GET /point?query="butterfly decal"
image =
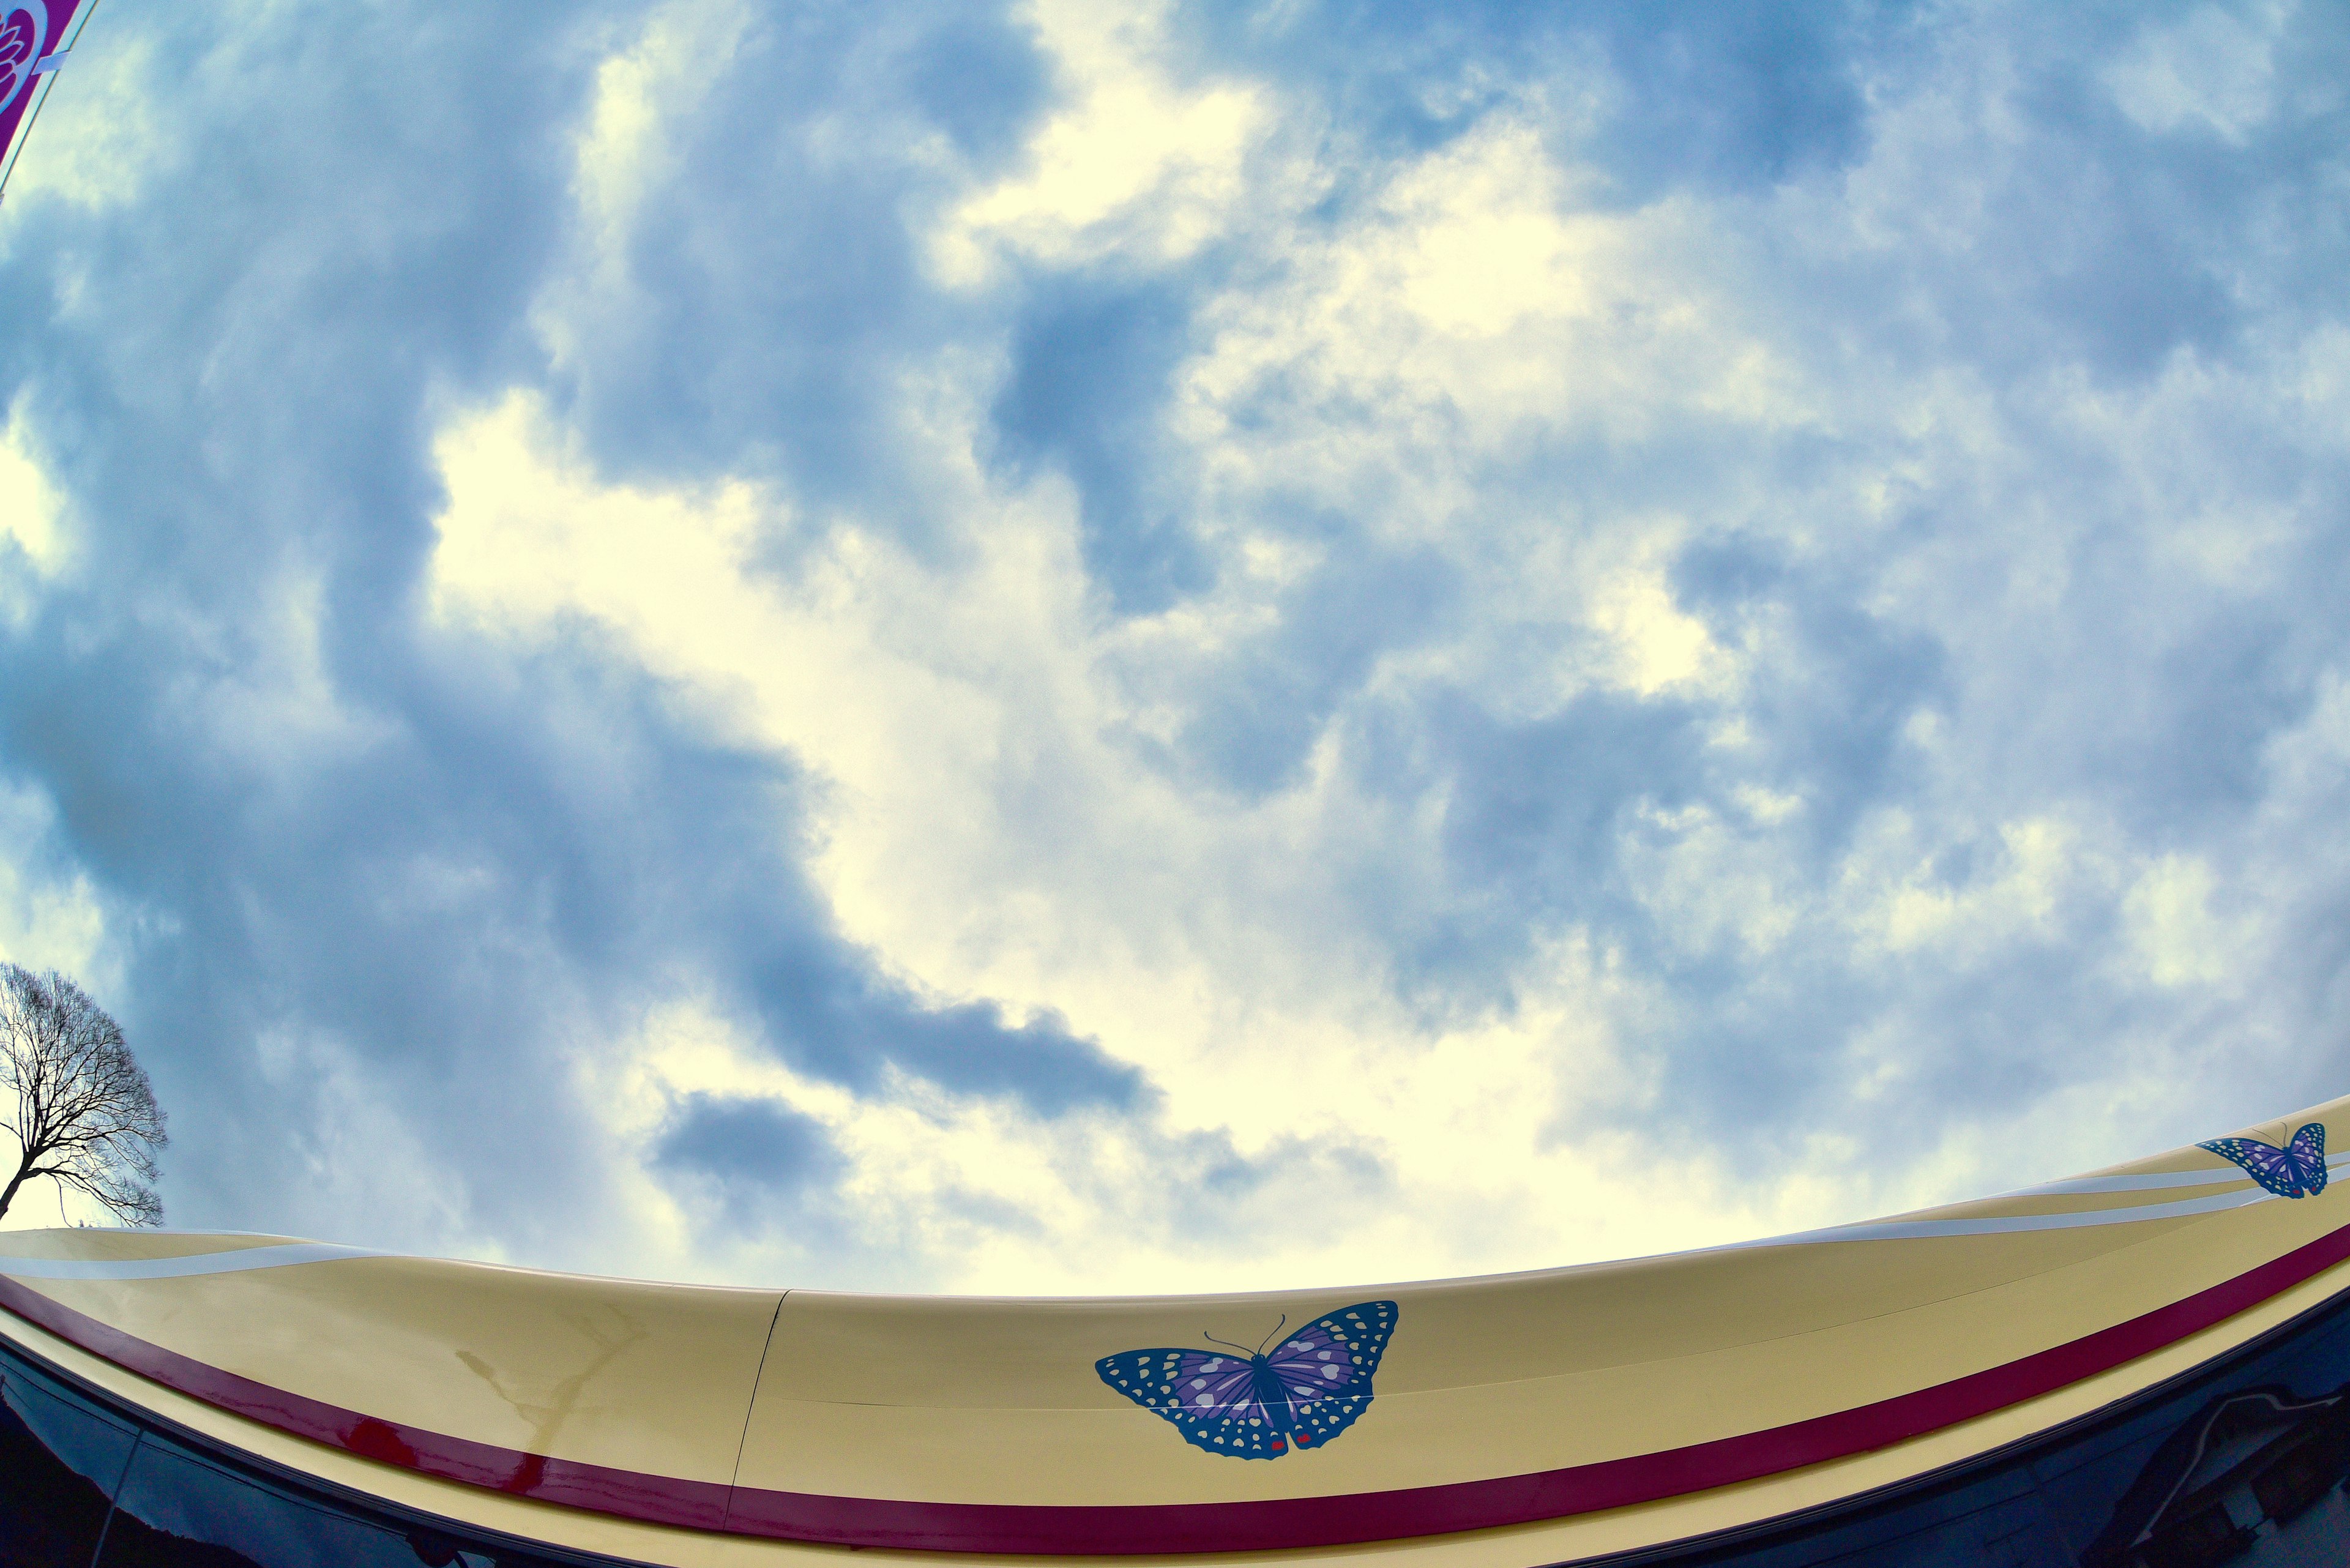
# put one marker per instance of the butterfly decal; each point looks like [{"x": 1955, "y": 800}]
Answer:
[
  {"x": 23, "y": 29},
  {"x": 1261, "y": 1404},
  {"x": 2296, "y": 1171}
]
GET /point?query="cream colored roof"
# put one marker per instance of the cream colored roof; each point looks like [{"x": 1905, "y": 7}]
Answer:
[{"x": 1615, "y": 1404}]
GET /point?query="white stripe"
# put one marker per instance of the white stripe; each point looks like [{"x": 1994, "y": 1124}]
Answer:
[
  {"x": 233, "y": 1263},
  {"x": 2006, "y": 1224},
  {"x": 287, "y": 1254},
  {"x": 2228, "y": 1173}
]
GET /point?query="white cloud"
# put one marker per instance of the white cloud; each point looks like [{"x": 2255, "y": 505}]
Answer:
[
  {"x": 31, "y": 509},
  {"x": 97, "y": 141},
  {"x": 1945, "y": 633},
  {"x": 992, "y": 827},
  {"x": 1657, "y": 647},
  {"x": 2038, "y": 862},
  {"x": 359, "y": 1163},
  {"x": 1137, "y": 163},
  {"x": 2214, "y": 70},
  {"x": 625, "y": 152},
  {"x": 2177, "y": 937},
  {"x": 47, "y": 920},
  {"x": 986, "y": 832},
  {"x": 1480, "y": 303}
]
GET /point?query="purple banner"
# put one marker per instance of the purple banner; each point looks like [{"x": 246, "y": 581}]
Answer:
[{"x": 34, "y": 35}]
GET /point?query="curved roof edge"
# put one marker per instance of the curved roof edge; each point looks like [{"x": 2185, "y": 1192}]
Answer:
[{"x": 1666, "y": 1396}]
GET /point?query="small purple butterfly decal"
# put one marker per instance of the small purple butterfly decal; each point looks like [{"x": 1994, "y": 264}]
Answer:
[
  {"x": 1259, "y": 1403},
  {"x": 2296, "y": 1171}
]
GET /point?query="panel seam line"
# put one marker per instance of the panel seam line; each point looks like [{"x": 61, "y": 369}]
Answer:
[{"x": 726, "y": 1518}]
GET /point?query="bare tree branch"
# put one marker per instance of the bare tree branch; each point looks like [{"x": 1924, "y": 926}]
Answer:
[{"x": 85, "y": 1115}]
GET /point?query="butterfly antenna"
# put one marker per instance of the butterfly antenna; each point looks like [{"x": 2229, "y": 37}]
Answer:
[
  {"x": 1227, "y": 1344},
  {"x": 1274, "y": 1334}
]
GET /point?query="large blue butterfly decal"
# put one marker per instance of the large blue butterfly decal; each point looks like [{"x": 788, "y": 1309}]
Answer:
[
  {"x": 2296, "y": 1171},
  {"x": 1261, "y": 1404}
]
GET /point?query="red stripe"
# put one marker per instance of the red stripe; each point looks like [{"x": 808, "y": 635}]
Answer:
[
  {"x": 661, "y": 1500},
  {"x": 1281, "y": 1523}
]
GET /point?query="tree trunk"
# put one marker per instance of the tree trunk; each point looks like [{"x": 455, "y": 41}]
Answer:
[{"x": 14, "y": 1182}]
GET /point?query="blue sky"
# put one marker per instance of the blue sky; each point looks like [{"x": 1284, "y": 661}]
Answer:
[{"x": 1180, "y": 647}]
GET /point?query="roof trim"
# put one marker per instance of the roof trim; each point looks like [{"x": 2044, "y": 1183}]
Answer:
[{"x": 1118, "y": 1529}]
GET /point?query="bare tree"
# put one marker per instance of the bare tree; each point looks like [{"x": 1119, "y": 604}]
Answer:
[{"x": 84, "y": 1112}]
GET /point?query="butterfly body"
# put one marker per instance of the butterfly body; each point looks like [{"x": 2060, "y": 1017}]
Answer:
[
  {"x": 1297, "y": 1394},
  {"x": 2296, "y": 1170}
]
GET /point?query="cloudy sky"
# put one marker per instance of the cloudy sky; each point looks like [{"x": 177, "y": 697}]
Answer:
[{"x": 1192, "y": 646}]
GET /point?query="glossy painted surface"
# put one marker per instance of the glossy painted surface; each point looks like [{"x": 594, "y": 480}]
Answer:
[
  {"x": 2252, "y": 1451},
  {"x": 61, "y": 1459},
  {"x": 1598, "y": 1408},
  {"x": 2139, "y": 1490}
]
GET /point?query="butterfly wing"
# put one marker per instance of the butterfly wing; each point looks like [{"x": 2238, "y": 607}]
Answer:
[
  {"x": 2307, "y": 1154},
  {"x": 2273, "y": 1168},
  {"x": 22, "y": 28},
  {"x": 1211, "y": 1399},
  {"x": 1219, "y": 1404},
  {"x": 1325, "y": 1368}
]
